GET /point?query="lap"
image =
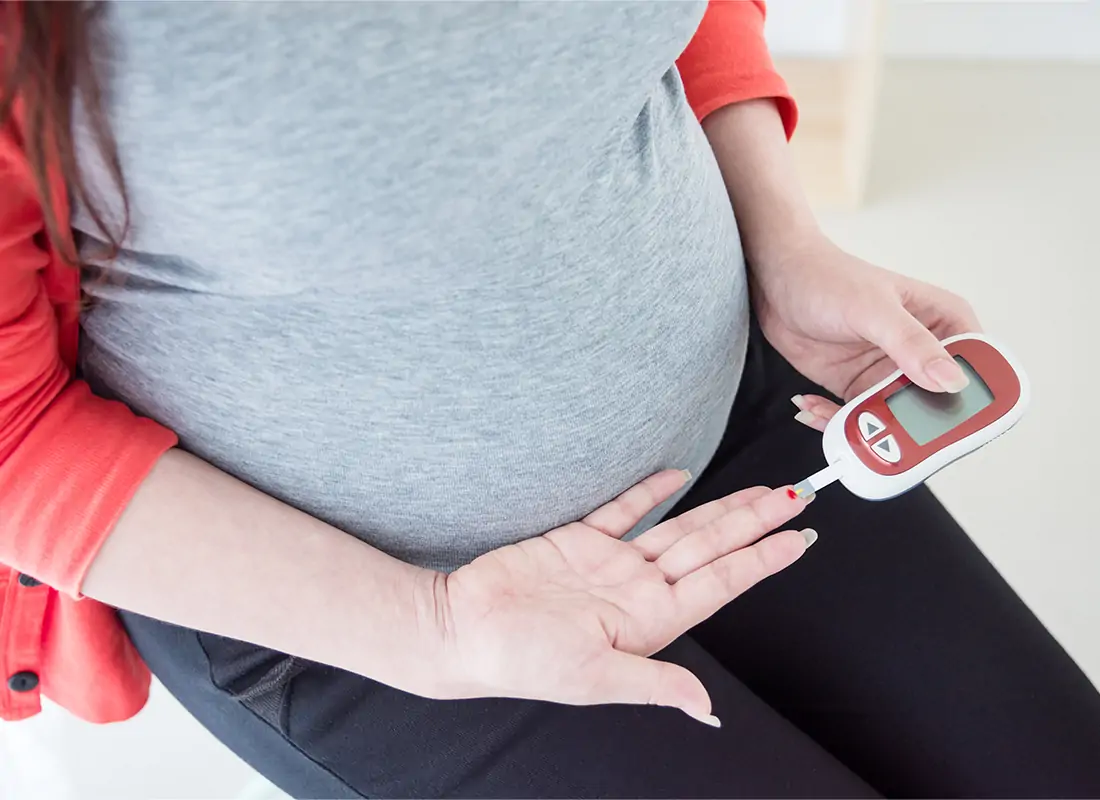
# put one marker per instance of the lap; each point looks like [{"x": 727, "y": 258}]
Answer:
[
  {"x": 894, "y": 642},
  {"x": 319, "y": 731}
]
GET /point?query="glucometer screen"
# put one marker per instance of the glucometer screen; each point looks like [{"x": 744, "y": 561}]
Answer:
[{"x": 926, "y": 415}]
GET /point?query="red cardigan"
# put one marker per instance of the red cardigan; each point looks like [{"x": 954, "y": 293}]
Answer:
[{"x": 71, "y": 461}]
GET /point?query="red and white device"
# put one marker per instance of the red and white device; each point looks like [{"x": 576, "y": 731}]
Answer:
[{"x": 896, "y": 435}]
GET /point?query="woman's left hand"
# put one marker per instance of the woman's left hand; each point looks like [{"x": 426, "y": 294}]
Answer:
[
  {"x": 845, "y": 323},
  {"x": 842, "y": 322}
]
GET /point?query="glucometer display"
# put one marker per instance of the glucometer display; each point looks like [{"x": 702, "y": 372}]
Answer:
[{"x": 926, "y": 415}]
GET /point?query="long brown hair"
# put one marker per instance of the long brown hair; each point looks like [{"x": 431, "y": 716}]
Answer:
[{"x": 46, "y": 63}]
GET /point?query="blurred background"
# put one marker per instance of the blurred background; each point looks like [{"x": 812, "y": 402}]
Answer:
[{"x": 958, "y": 142}]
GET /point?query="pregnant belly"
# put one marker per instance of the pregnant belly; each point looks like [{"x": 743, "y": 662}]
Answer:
[
  {"x": 433, "y": 441},
  {"x": 442, "y": 408}
]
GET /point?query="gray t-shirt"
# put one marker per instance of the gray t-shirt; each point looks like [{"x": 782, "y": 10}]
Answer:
[{"x": 444, "y": 275}]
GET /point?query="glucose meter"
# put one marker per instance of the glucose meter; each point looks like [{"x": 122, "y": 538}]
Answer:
[{"x": 896, "y": 435}]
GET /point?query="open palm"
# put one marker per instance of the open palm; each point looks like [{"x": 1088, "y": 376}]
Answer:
[{"x": 571, "y": 615}]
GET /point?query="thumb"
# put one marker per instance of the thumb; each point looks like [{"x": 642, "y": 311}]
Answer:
[
  {"x": 914, "y": 349},
  {"x": 633, "y": 679}
]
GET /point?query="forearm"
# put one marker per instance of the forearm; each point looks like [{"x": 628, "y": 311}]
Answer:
[
  {"x": 752, "y": 151},
  {"x": 199, "y": 548}
]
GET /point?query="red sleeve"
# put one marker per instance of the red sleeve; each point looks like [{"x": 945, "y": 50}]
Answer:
[
  {"x": 727, "y": 61},
  {"x": 69, "y": 461}
]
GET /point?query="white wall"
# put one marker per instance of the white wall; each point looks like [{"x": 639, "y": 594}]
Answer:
[
  {"x": 1041, "y": 30},
  {"x": 807, "y": 27}
]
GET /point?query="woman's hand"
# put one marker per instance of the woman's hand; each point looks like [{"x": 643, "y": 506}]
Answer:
[
  {"x": 842, "y": 322},
  {"x": 572, "y": 615},
  {"x": 845, "y": 324}
]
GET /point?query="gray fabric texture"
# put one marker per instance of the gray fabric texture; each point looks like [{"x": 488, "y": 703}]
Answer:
[{"x": 444, "y": 275}]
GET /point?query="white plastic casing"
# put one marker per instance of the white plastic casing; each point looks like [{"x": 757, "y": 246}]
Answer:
[{"x": 865, "y": 483}]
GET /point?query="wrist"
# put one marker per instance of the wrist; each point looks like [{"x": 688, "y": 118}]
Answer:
[
  {"x": 798, "y": 249},
  {"x": 457, "y": 667},
  {"x": 449, "y": 674},
  {"x": 794, "y": 243},
  {"x": 426, "y": 666}
]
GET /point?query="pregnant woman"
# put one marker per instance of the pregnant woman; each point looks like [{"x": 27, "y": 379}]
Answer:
[{"x": 406, "y": 327}]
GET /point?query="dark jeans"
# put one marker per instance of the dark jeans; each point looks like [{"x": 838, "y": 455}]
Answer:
[{"x": 892, "y": 659}]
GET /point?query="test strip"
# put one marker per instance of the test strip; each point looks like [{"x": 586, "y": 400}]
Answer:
[{"x": 818, "y": 481}]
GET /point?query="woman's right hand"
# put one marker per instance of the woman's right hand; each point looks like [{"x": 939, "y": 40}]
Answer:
[{"x": 572, "y": 616}]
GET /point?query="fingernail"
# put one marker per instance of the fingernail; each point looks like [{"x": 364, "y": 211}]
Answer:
[
  {"x": 687, "y": 475},
  {"x": 810, "y": 535},
  {"x": 799, "y": 402},
  {"x": 948, "y": 374},
  {"x": 706, "y": 719},
  {"x": 805, "y": 417}
]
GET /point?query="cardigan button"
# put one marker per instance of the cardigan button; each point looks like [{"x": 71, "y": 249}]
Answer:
[
  {"x": 28, "y": 581},
  {"x": 23, "y": 681}
]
